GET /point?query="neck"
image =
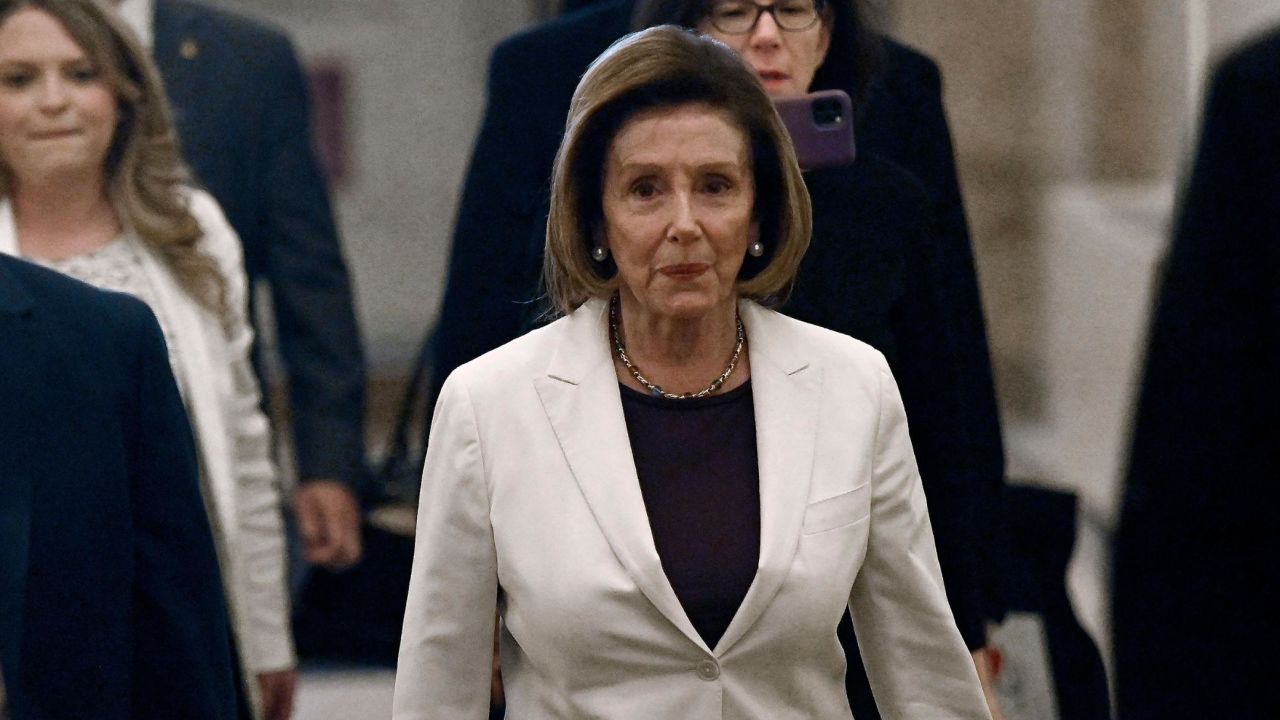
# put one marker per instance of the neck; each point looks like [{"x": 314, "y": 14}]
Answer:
[
  {"x": 58, "y": 219},
  {"x": 682, "y": 355}
]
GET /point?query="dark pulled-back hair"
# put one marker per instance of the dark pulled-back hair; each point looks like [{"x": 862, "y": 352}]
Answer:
[
  {"x": 853, "y": 62},
  {"x": 669, "y": 67}
]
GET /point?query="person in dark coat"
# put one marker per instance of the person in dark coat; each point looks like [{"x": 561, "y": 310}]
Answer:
[
  {"x": 111, "y": 603},
  {"x": 492, "y": 288},
  {"x": 1195, "y": 580},
  {"x": 242, "y": 113}
]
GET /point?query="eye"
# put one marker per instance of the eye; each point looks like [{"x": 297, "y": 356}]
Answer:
[
  {"x": 717, "y": 185},
  {"x": 83, "y": 74},
  {"x": 795, "y": 8},
  {"x": 16, "y": 79},
  {"x": 730, "y": 10},
  {"x": 644, "y": 188}
]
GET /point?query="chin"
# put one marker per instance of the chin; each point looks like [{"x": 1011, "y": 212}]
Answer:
[{"x": 688, "y": 306}]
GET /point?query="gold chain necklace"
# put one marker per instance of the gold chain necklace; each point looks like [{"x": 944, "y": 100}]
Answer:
[{"x": 657, "y": 390}]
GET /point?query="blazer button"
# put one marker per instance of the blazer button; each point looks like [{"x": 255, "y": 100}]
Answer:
[{"x": 708, "y": 670}]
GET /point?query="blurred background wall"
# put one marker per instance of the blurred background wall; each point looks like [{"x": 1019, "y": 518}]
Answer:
[
  {"x": 1073, "y": 121},
  {"x": 413, "y": 78}
]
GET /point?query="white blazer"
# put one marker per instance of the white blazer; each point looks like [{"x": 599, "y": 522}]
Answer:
[
  {"x": 232, "y": 436},
  {"x": 530, "y": 499}
]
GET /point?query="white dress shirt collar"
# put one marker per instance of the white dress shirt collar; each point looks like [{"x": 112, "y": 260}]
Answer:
[{"x": 139, "y": 15}]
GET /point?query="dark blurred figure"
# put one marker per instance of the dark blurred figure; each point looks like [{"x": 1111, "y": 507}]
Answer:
[
  {"x": 1195, "y": 597},
  {"x": 240, "y": 105},
  {"x": 111, "y": 604}
]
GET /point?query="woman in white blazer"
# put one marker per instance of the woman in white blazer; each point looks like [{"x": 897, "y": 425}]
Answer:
[
  {"x": 90, "y": 185},
  {"x": 671, "y": 494}
]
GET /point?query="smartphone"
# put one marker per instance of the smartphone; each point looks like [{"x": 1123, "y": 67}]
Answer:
[{"x": 821, "y": 127}]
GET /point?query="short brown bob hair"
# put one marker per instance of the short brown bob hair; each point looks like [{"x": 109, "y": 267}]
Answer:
[{"x": 668, "y": 66}]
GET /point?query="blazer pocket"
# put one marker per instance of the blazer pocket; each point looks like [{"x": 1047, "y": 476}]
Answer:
[{"x": 838, "y": 511}]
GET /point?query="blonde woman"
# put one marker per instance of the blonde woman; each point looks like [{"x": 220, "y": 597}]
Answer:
[{"x": 91, "y": 184}]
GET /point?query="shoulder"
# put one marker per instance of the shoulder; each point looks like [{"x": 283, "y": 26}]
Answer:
[
  {"x": 227, "y": 25},
  {"x": 498, "y": 372},
  {"x": 1258, "y": 56},
  {"x": 871, "y": 179},
  {"x": 66, "y": 306},
  {"x": 910, "y": 66},
  {"x": 220, "y": 240},
  {"x": 204, "y": 208},
  {"x": 1252, "y": 67},
  {"x": 571, "y": 41},
  {"x": 793, "y": 343}
]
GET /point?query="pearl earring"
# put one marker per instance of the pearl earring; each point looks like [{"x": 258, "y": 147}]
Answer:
[
  {"x": 756, "y": 249},
  {"x": 599, "y": 253}
]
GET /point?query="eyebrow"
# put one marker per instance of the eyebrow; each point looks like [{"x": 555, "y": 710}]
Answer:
[{"x": 720, "y": 166}]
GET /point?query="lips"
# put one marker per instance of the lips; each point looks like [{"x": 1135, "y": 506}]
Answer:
[
  {"x": 773, "y": 75},
  {"x": 55, "y": 134},
  {"x": 684, "y": 271}
]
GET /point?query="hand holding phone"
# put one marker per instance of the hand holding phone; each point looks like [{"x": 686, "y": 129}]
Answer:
[{"x": 821, "y": 127}]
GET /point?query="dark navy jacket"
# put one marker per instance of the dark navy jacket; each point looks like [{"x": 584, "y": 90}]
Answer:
[
  {"x": 111, "y": 603},
  {"x": 241, "y": 109}
]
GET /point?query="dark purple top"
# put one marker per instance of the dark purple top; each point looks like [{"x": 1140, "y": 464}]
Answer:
[{"x": 696, "y": 460}]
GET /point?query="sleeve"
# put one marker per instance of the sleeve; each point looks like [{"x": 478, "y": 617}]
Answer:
[
  {"x": 310, "y": 286},
  {"x": 915, "y": 659},
  {"x": 446, "y": 649},
  {"x": 926, "y": 366},
  {"x": 261, "y": 555},
  {"x": 496, "y": 258},
  {"x": 933, "y": 161},
  {"x": 182, "y": 652}
]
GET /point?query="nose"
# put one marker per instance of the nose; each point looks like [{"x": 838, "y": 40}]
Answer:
[
  {"x": 766, "y": 32},
  {"x": 684, "y": 225},
  {"x": 53, "y": 94}
]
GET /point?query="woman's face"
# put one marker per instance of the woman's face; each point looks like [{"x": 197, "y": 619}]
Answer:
[
  {"x": 57, "y": 114},
  {"x": 785, "y": 60},
  {"x": 678, "y": 208}
]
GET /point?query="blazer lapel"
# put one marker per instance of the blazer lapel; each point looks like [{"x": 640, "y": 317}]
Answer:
[
  {"x": 199, "y": 381},
  {"x": 8, "y": 233},
  {"x": 580, "y": 396},
  {"x": 786, "y": 390}
]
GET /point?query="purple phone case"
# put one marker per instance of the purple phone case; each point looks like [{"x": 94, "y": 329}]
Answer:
[{"x": 819, "y": 145}]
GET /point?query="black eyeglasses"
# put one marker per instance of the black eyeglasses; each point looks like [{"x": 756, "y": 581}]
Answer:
[{"x": 739, "y": 17}]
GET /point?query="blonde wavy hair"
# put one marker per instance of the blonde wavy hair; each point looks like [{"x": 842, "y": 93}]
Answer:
[
  {"x": 144, "y": 169},
  {"x": 662, "y": 67}
]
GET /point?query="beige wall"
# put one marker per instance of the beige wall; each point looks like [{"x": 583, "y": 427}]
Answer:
[
  {"x": 1073, "y": 121},
  {"x": 416, "y": 77}
]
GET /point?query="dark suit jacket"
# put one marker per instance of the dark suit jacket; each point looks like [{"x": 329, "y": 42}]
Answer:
[
  {"x": 241, "y": 109},
  {"x": 498, "y": 240},
  {"x": 111, "y": 604},
  {"x": 1196, "y": 585}
]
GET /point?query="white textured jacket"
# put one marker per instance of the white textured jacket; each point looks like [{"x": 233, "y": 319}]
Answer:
[
  {"x": 530, "y": 500},
  {"x": 232, "y": 435}
]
